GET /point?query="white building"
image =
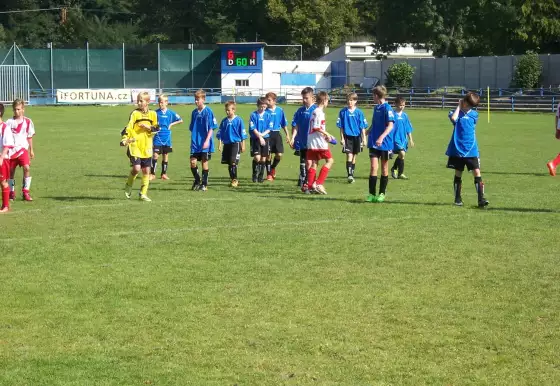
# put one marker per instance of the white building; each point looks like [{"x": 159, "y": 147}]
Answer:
[{"x": 367, "y": 51}]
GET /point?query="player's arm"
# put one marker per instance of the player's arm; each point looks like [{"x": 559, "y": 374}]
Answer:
[
  {"x": 388, "y": 129},
  {"x": 410, "y": 140},
  {"x": 243, "y": 146},
  {"x": 294, "y": 134},
  {"x": 128, "y": 136},
  {"x": 178, "y": 121},
  {"x": 455, "y": 114},
  {"x": 266, "y": 132}
]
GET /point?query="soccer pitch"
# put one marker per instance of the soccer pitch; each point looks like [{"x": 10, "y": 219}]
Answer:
[{"x": 264, "y": 285}]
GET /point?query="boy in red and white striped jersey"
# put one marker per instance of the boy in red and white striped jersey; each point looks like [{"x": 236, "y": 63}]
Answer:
[
  {"x": 6, "y": 144},
  {"x": 22, "y": 152}
]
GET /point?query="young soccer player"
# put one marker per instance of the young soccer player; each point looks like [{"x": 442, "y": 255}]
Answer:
[
  {"x": 260, "y": 126},
  {"x": 552, "y": 165},
  {"x": 202, "y": 126},
  {"x": 275, "y": 141},
  {"x": 232, "y": 136},
  {"x": 141, "y": 128},
  {"x": 318, "y": 146},
  {"x": 162, "y": 140},
  {"x": 402, "y": 137},
  {"x": 352, "y": 124},
  {"x": 23, "y": 131},
  {"x": 380, "y": 143},
  {"x": 300, "y": 130},
  {"x": 463, "y": 147},
  {"x": 6, "y": 143}
]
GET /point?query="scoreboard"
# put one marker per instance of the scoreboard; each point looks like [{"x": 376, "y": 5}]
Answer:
[{"x": 242, "y": 57}]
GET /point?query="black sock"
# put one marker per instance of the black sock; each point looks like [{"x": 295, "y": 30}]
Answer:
[
  {"x": 154, "y": 166},
  {"x": 164, "y": 167},
  {"x": 230, "y": 171},
  {"x": 302, "y": 173},
  {"x": 205, "y": 177},
  {"x": 195, "y": 174},
  {"x": 372, "y": 184},
  {"x": 353, "y": 169},
  {"x": 349, "y": 168},
  {"x": 479, "y": 185},
  {"x": 457, "y": 183},
  {"x": 383, "y": 185},
  {"x": 262, "y": 168},
  {"x": 268, "y": 167},
  {"x": 255, "y": 171},
  {"x": 401, "y": 166},
  {"x": 396, "y": 164},
  {"x": 234, "y": 171},
  {"x": 275, "y": 162}
]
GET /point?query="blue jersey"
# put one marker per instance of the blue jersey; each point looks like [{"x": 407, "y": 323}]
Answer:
[
  {"x": 463, "y": 141},
  {"x": 382, "y": 115},
  {"x": 301, "y": 119},
  {"x": 202, "y": 122},
  {"x": 351, "y": 122},
  {"x": 401, "y": 130},
  {"x": 278, "y": 118},
  {"x": 260, "y": 122},
  {"x": 232, "y": 130},
  {"x": 165, "y": 119}
]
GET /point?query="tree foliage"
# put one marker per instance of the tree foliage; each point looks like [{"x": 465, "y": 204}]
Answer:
[
  {"x": 400, "y": 75},
  {"x": 528, "y": 71}
]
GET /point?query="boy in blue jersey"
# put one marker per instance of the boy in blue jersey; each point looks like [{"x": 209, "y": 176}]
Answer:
[
  {"x": 380, "y": 143},
  {"x": 275, "y": 141},
  {"x": 202, "y": 129},
  {"x": 352, "y": 124},
  {"x": 463, "y": 147},
  {"x": 232, "y": 136},
  {"x": 260, "y": 126},
  {"x": 300, "y": 131},
  {"x": 402, "y": 138},
  {"x": 162, "y": 140}
]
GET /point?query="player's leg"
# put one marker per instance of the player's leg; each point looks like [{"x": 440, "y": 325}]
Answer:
[
  {"x": 265, "y": 153},
  {"x": 155, "y": 158},
  {"x": 324, "y": 171},
  {"x": 401, "y": 157},
  {"x": 12, "y": 180},
  {"x": 165, "y": 163},
  {"x": 134, "y": 170},
  {"x": 349, "y": 163},
  {"x": 275, "y": 162},
  {"x": 374, "y": 165},
  {"x": 384, "y": 177},
  {"x": 195, "y": 172},
  {"x": 479, "y": 185},
  {"x": 457, "y": 186},
  {"x": 26, "y": 183},
  {"x": 205, "y": 171},
  {"x": 303, "y": 167},
  {"x": 552, "y": 165},
  {"x": 145, "y": 165},
  {"x": 311, "y": 171},
  {"x": 4, "y": 175}
]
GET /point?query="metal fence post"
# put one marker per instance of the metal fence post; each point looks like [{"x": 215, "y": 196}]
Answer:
[
  {"x": 87, "y": 63},
  {"x": 123, "y": 71},
  {"x": 512, "y": 104},
  {"x": 192, "y": 65},
  {"x": 52, "y": 68},
  {"x": 159, "y": 68}
]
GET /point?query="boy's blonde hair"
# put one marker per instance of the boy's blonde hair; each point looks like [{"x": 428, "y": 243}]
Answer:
[
  {"x": 472, "y": 99},
  {"x": 141, "y": 96},
  {"x": 200, "y": 94},
  {"x": 321, "y": 97},
  {"x": 271, "y": 95},
  {"x": 162, "y": 97},
  {"x": 229, "y": 104},
  {"x": 380, "y": 91},
  {"x": 18, "y": 102},
  {"x": 352, "y": 97}
]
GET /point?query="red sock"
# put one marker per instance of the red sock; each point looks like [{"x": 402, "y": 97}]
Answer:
[
  {"x": 311, "y": 173},
  {"x": 5, "y": 197},
  {"x": 323, "y": 175},
  {"x": 556, "y": 161}
]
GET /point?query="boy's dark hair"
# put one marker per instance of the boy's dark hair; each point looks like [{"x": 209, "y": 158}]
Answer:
[
  {"x": 399, "y": 100},
  {"x": 262, "y": 101},
  {"x": 321, "y": 97},
  {"x": 271, "y": 95},
  {"x": 472, "y": 99},
  {"x": 380, "y": 91},
  {"x": 230, "y": 103},
  {"x": 1, "y": 110},
  {"x": 352, "y": 97},
  {"x": 307, "y": 90}
]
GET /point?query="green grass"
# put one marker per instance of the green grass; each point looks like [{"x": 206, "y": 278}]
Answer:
[{"x": 264, "y": 285}]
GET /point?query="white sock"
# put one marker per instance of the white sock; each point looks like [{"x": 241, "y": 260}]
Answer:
[
  {"x": 26, "y": 183},
  {"x": 12, "y": 184}
]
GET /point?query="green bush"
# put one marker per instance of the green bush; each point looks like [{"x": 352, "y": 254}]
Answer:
[
  {"x": 528, "y": 71},
  {"x": 400, "y": 75}
]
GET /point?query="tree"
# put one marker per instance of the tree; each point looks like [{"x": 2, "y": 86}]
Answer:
[
  {"x": 400, "y": 75},
  {"x": 528, "y": 71}
]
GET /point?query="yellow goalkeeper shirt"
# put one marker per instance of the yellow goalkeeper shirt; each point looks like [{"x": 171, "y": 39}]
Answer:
[{"x": 141, "y": 147}]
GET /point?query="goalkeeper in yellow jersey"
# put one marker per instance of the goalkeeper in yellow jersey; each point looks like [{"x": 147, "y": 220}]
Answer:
[{"x": 142, "y": 126}]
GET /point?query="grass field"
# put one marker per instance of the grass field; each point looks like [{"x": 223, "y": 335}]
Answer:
[{"x": 263, "y": 285}]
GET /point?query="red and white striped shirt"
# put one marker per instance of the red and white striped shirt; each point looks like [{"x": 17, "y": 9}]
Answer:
[
  {"x": 21, "y": 131},
  {"x": 6, "y": 137}
]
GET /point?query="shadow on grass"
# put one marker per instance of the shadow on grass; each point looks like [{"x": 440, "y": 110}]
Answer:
[
  {"x": 517, "y": 174},
  {"x": 80, "y": 198},
  {"x": 524, "y": 210},
  {"x": 107, "y": 175}
]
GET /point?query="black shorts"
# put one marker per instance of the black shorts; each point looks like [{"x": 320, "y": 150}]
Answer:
[
  {"x": 258, "y": 149},
  {"x": 301, "y": 153},
  {"x": 275, "y": 143},
  {"x": 376, "y": 153},
  {"x": 459, "y": 163},
  {"x": 231, "y": 153},
  {"x": 352, "y": 144},
  {"x": 163, "y": 149},
  {"x": 143, "y": 162},
  {"x": 202, "y": 156}
]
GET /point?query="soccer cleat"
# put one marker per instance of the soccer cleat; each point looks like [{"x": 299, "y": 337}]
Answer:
[
  {"x": 381, "y": 197},
  {"x": 483, "y": 203},
  {"x": 551, "y": 168},
  {"x": 394, "y": 174},
  {"x": 403, "y": 177},
  {"x": 273, "y": 173},
  {"x": 26, "y": 196},
  {"x": 234, "y": 183},
  {"x": 195, "y": 186},
  {"x": 298, "y": 184},
  {"x": 145, "y": 198},
  {"x": 152, "y": 177},
  {"x": 127, "y": 191},
  {"x": 164, "y": 177},
  {"x": 203, "y": 188},
  {"x": 320, "y": 189},
  {"x": 351, "y": 179},
  {"x": 371, "y": 198},
  {"x": 269, "y": 177},
  {"x": 254, "y": 178},
  {"x": 12, "y": 195},
  {"x": 4, "y": 209},
  {"x": 304, "y": 188},
  {"x": 458, "y": 202}
]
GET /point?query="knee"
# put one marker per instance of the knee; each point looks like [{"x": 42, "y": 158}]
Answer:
[
  {"x": 193, "y": 163},
  {"x": 156, "y": 156}
]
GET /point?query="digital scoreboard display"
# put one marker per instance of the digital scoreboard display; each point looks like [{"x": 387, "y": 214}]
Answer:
[{"x": 241, "y": 59}]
